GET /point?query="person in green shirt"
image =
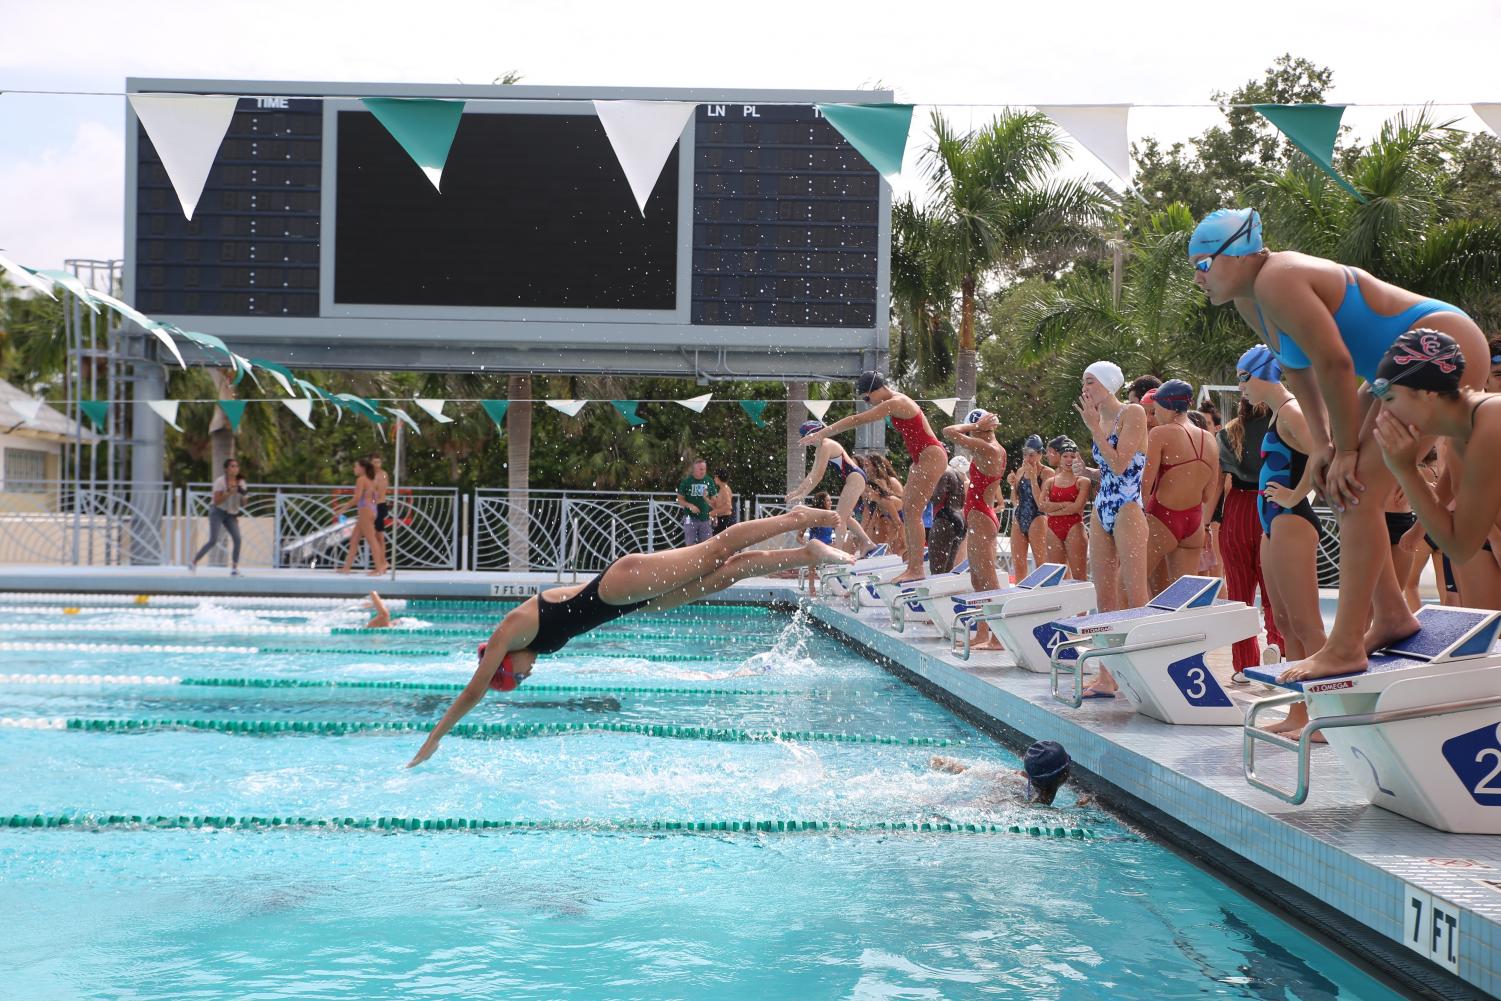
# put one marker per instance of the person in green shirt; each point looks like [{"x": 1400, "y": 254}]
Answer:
[{"x": 693, "y": 496}]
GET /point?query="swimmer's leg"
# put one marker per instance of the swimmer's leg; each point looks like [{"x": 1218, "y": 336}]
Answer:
[{"x": 751, "y": 564}]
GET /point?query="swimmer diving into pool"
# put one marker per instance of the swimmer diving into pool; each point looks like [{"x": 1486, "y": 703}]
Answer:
[{"x": 653, "y": 581}]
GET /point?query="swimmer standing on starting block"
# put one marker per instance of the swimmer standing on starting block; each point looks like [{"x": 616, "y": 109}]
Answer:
[{"x": 654, "y": 581}]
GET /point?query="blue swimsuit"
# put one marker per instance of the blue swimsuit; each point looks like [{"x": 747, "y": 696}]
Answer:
[
  {"x": 1366, "y": 333},
  {"x": 1026, "y": 505},
  {"x": 1284, "y": 465},
  {"x": 1117, "y": 489}
]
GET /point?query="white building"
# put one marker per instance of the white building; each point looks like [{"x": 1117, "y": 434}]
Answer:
[{"x": 31, "y": 450}]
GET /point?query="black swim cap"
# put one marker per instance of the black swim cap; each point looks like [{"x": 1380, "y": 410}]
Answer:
[
  {"x": 1175, "y": 395},
  {"x": 869, "y": 381},
  {"x": 1421, "y": 359}
]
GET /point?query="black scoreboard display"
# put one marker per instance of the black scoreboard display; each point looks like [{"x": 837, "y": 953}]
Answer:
[
  {"x": 315, "y": 227},
  {"x": 251, "y": 248}
]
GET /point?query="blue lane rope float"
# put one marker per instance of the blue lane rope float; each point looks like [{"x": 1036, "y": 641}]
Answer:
[
  {"x": 135, "y": 822},
  {"x": 478, "y": 731},
  {"x": 126, "y": 680}
]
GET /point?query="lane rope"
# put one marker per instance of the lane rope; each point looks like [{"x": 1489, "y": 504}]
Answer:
[
  {"x": 136, "y": 822},
  {"x": 477, "y": 731},
  {"x": 126, "y": 680}
]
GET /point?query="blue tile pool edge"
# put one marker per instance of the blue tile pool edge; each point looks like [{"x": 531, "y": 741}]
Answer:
[{"x": 1203, "y": 824}]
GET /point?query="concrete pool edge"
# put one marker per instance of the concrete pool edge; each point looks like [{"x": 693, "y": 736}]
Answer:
[{"x": 1368, "y": 895}]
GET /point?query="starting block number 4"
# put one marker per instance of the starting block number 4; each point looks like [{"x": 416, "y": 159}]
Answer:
[
  {"x": 1430, "y": 927},
  {"x": 1049, "y": 636}
]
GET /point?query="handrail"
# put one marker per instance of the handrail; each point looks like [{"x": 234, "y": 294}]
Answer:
[
  {"x": 1077, "y": 666},
  {"x": 977, "y": 615},
  {"x": 1251, "y": 734}
]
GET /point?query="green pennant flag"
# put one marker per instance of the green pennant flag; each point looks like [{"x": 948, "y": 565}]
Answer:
[
  {"x": 755, "y": 408},
  {"x": 497, "y": 411},
  {"x": 234, "y": 410},
  {"x": 1312, "y": 128},
  {"x": 627, "y": 410},
  {"x": 878, "y": 131},
  {"x": 283, "y": 374},
  {"x": 425, "y": 129},
  {"x": 359, "y": 405},
  {"x": 97, "y": 411}
]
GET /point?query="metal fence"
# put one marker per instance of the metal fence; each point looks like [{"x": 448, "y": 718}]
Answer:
[
  {"x": 430, "y": 528},
  {"x": 54, "y": 522}
]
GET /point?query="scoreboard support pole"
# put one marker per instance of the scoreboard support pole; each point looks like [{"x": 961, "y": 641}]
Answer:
[{"x": 148, "y": 447}]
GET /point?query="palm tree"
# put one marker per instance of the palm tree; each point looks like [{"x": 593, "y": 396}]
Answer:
[
  {"x": 1409, "y": 231},
  {"x": 994, "y": 202},
  {"x": 921, "y": 296},
  {"x": 1162, "y": 324}
]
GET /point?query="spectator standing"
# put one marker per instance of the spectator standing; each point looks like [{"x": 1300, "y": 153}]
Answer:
[{"x": 696, "y": 494}]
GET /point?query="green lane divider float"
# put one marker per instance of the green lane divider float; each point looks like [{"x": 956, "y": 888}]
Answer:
[
  {"x": 481, "y": 633},
  {"x": 381, "y": 651},
  {"x": 122, "y": 821},
  {"x": 438, "y": 686},
  {"x": 488, "y": 731},
  {"x": 500, "y": 604}
]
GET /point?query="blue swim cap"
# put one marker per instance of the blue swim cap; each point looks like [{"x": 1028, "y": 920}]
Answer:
[
  {"x": 1033, "y": 443},
  {"x": 808, "y": 427},
  {"x": 1260, "y": 363},
  {"x": 1175, "y": 395},
  {"x": 1212, "y": 232}
]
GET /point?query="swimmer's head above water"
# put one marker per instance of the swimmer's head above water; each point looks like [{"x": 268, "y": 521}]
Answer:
[{"x": 1047, "y": 765}]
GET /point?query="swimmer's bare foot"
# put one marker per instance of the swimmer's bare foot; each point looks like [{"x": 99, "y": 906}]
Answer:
[
  {"x": 1293, "y": 725},
  {"x": 909, "y": 576},
  {"x": 815, "y": 516},
  {"x": 1383, "y": 633},
  {"x": 821, "y": 552},
  {"x": 990, "y": 643},
  {"x": 342, "y": 570},
  {"x": 1327, "y": 663}
]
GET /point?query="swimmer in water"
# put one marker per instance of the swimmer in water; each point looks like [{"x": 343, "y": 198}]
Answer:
[
  {"x": 1045, "y": 767},
  {"x": 655, "y": 581},
  {"x": 382, "y": 619}
]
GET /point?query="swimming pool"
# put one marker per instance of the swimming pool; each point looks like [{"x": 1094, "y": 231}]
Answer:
[{"x": 698, "y": 804}]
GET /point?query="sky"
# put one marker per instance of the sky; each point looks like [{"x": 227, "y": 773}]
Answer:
[{"x": 62, "y": 158}]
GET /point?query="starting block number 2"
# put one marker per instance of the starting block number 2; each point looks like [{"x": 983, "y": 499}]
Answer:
[{"x": 1430, "y": 927}]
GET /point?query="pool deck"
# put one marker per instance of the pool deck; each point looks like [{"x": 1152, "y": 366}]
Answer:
[{"x": 1357, "y": 860}]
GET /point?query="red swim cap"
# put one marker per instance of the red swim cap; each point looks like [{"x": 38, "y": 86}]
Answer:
[{"x": 505, "y": 679}]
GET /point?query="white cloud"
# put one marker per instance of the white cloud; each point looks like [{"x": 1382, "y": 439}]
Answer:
[{"x": 65, "y": 202}]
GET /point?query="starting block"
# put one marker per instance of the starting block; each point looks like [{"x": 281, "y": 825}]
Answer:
[
  {"x": 900, "y": 598},
  {"x": 1160, "y": 647},
  {"x": 837, "y": 578},
  {"x": 1419, "y": 729},
  {"x": 1021, "y": 616}
]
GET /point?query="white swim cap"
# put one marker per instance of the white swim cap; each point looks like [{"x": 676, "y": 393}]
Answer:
[
  {"x": 1107, "y": 374},
  {"x": 960, "y": 465}
]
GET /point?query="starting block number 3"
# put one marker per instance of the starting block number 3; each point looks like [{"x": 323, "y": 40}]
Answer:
[{"x": 1430, "y": 927}]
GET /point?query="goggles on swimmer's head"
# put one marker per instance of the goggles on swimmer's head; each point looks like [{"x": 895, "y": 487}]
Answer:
[
  {"x": 1420, "y": 359},
  {"x": 1246, "y": 230}
]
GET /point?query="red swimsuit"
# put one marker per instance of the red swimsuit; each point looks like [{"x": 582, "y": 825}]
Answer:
[
  {"x": 916, "y": 435},
  {"x": 1181, "y": 523},
  {"x": 1061, "y": 524},
  {"x": 974, "y": 497}
]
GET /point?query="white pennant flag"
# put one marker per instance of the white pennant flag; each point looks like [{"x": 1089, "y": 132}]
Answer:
[
  {"x": 434, "y": 409},
  {"x": 405, "y": 418},
  {"x": 73, "y": 284},
  {"x": 818, "y": 407},
  {"x": 947, "y": 404},
  {"x": 27, "y": 277},
  {"x": 1490, "y": 114},
  {"x": 187, "y": 130},
  {"x": 1099, "y": 128},
  {"x": 642, "y": 134},
  {"x": 569, "y": 407},
  {"x": 28, "y": 409},
  {"x": 303, "y": 408},
  {"x": 696, "y": 403},
  {"x": 140, "y": 319},
  {"x": 166, "y": 410}
]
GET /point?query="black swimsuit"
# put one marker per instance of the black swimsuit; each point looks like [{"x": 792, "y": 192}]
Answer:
[{"x": 560, "y": 621}]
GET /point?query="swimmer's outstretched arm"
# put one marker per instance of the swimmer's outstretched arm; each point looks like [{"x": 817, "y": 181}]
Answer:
[{"x": 509, "y": 630}]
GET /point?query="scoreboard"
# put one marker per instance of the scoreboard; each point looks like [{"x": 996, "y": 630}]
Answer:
[{"x": 763, "y": 251}]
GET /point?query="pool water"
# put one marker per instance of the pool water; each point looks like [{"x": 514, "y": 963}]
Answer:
[{"x": 594, "y": 903}]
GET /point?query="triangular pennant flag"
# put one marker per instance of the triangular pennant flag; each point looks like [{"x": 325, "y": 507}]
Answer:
[
  {"x": 166, "y": 410},
  {"x": 627, "y": 410},
  {"x": 405, "y": 418},
  {"x": 818, "y": 408},
  {"x": 643, "y": 133},
  {"x": 96, "y": 411},
  {"x": 234, "y": 410},
  {"x": 878, "y": 131},
  {"x": 187, "y": 130},
  {"x": 569, "y": 407},
  {"x": 497, "y": 411},
  {"x": 424, "y": 127},
  {"x": 310, "y": 390},
  {"x": 71, "y": 282},
  {"x": 696, "y": 403},
  {"x": 28, "y": 409},
  {"x": 434, "y": 410},
  {"x": 162, "y": 331},
  {"x": 1490, "y": 114},
  {"x": 202, "y": 340},
  {"x": 755, "y": 408},
  {"x": 302, "y": 408},
  {"x": 1099, "y": 128},
  {"x": 947, "y": 404},
  {"x": 359, "y": 405},
  {"x": 242, "y": 369},
  {"x": 1312, "y": 128},
  {"x": 281, "y": 373},
  {"x": 27, "y": 277}
]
